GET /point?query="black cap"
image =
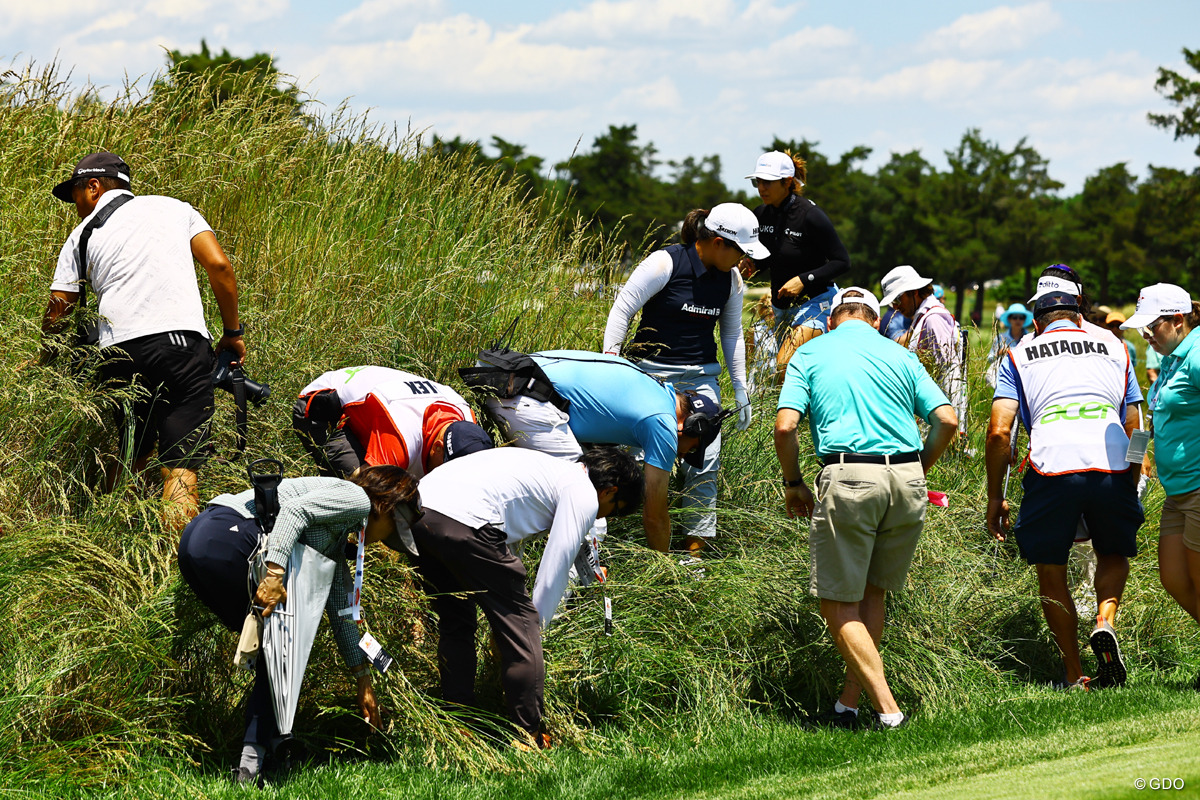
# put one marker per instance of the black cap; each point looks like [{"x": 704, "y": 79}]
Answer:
[
  {"x": 463, "y": 438},
  {"x": 93, "y": 165},
  {"x": 1055, "y": 301},
  {"x": 699, "y": 404}
]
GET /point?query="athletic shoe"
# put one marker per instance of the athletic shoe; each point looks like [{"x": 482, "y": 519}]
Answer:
[
  {"x": 1110, "y": 669},
  {"x": 1084, "y": 684},
  {"x": 846, "y": 720},
  {"x": 878, "y": 724},
  {"x": 244, "y": 777}
]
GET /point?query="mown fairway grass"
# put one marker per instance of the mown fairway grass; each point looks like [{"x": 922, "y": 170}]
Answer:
[
  {"x": 1028, "y": 742},
  {"x": 352, "y": 246}
]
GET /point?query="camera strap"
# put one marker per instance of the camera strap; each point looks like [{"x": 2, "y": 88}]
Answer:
[
  {"x": 354, "y": 599},
  {"x": 239, "y": 401}
]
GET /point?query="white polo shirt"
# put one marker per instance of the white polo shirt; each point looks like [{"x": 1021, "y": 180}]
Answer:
[
  {"x": 140, "y": 267},
  {"x": 523, "y": 493}
]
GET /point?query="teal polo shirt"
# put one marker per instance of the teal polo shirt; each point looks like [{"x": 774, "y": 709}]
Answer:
[
  {"x": 860, "y": 391},
  {"x": 1175, "y": 401}
]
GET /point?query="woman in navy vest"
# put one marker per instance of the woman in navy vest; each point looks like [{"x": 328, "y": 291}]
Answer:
[
  {"x": 684, "y": 292},
  {"x": 806, "y": 254}
]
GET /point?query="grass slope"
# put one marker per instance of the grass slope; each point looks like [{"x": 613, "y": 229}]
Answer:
[{"x": 354, "y": 246}]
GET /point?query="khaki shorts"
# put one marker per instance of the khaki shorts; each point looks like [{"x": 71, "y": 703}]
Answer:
[
  {"x": 865, "y": 527},
  {"x": 1181, "y": 514}
]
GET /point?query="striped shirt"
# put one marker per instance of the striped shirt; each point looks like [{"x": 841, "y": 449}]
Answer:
[{"x": 318, "y": 512}]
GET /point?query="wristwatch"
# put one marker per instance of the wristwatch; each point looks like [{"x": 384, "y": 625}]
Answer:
[
  {"x": 793, "y": 484},
  {"x": 233, "y": 333}
]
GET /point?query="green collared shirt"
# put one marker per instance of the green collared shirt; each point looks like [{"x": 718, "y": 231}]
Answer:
[
  {"x": 860, "y": 391},
  {"x": 1175, "y": 401}
]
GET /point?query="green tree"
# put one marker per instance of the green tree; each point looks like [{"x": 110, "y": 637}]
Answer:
[
  {"x": 993, "y": 208},
  {"x": 1184, "y": 93},
  {"x": 614, "y": 185},
  {"x": 230, "y": 76}
]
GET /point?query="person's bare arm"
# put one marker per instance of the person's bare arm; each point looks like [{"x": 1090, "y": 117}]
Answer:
[
  {"x": 207, "y": 250},
  {"x": 1133, "y": 417},
  {"x": 655, "y": 517},
  {"x": 797, "y": 500},
  {"x": 997, "y": 457},
  {"x": 55, "y": 319},
  {"x": 943, "y": 425}
]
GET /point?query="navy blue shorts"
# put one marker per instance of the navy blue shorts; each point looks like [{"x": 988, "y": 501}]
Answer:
[{"x": 1053, "y": 504}]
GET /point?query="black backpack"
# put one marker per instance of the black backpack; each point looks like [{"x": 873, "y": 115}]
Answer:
[{"x": 503, "y": 372}]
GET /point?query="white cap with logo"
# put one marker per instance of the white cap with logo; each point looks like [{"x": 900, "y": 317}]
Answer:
[
  {"x": 1054, "y": 283},
  {"x": 737, "y": 223},
  {"x": 1159, "y": 300},
  {"x": 774, "y": 165}
]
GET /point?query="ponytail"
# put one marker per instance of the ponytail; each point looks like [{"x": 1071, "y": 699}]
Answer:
[
  {"x": 693, "y": 229},
  {"x": 801, "y": 176},
  {"x": 1193, "y": 319}
]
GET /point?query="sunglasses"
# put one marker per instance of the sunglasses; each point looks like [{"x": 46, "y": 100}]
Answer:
[{"x": 757, "y": 182}]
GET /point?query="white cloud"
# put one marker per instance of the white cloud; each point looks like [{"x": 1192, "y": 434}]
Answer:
[
  {"x": 467, "y": 57},
  {"x": 665, "y": 20},
  {"x": 999, "y": 30},
  {"x": 368, "y": 16},
  {"x": 229, "y": 11},
  {"x": 657, "y": 96}
]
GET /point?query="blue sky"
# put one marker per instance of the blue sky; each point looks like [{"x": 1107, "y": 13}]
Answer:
[{"x": 698, "y": 77}]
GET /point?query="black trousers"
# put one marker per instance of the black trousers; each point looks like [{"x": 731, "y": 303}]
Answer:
[
  {"x": 455, "y": 559},
  {"x": 214, "y": 553},
  {"x": 337, "y": 454}
]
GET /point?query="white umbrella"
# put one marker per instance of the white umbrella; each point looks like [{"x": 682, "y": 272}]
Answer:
[{"x": 289, "y": 631}]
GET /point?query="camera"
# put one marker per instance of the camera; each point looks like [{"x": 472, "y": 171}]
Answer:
[{"x": 223, "y": 377}]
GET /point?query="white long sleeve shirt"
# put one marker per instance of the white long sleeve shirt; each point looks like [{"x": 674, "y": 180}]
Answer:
[{"x": 648, "y": 279}]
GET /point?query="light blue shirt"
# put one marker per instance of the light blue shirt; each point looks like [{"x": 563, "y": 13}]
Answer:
[
  {"x": 860, "y": 391},
  {"x": 614, "y": 402},
  {"x": 1175, "y": 401}
]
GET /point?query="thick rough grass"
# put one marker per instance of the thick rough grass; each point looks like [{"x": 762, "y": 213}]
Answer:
[{"x": 352, "y": 245}]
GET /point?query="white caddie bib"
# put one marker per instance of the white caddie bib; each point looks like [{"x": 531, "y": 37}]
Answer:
[{"x": 1074, "y": 387}]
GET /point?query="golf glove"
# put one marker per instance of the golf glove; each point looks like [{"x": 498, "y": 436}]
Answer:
[{"x": 745, "y": 412}]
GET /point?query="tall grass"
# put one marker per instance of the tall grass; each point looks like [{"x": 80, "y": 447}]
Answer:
[{"x": 354, "y": 245}]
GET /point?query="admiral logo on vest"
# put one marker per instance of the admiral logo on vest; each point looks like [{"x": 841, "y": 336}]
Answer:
[
  {"x": 701, "y": 310},
  {"x": 1060, "y": 348}
]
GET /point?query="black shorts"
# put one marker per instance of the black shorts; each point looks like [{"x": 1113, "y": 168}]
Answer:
[
  {"x": 1053, "y": 504},
  {"x": 174, "y": 404}
]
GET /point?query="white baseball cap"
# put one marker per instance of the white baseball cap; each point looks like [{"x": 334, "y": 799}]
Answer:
[
  {"x": 1159, "y": 300},
  {"x": 737, "y": 223},
  {"x": 900, "y": 280},
  {"x": 1054, "y": 283},
  {"x": 867, "y": 299},
  {"x": 774, "y": 165}
]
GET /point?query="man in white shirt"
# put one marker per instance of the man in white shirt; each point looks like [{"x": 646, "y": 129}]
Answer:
[
  {"x": 152, "y": 331},
  {"x": 1076, "y": 393},
  {"x": 475, "y": 508}
]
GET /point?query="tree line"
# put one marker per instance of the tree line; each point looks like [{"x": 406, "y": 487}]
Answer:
[{"x": 994, "y": 213}]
